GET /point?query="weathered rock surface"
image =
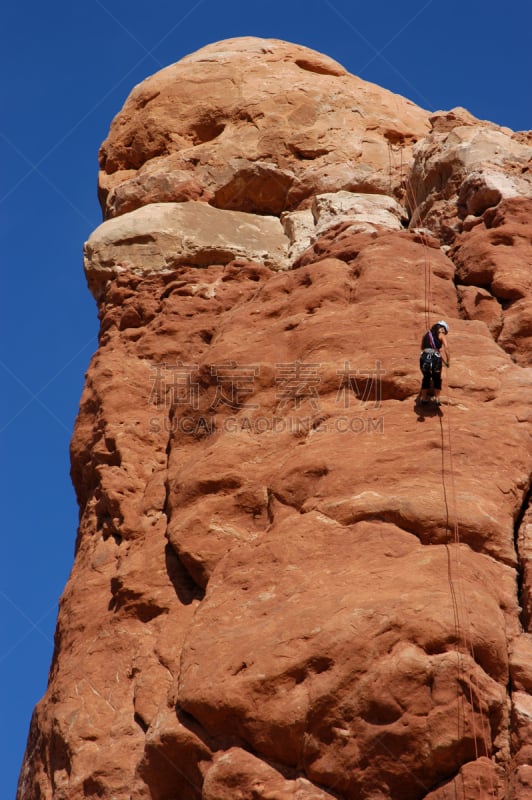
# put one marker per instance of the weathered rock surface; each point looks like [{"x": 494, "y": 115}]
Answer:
[
  {"x": 289, "y": 581},
  {"x": 464, "y": 167},
  {"x": 495, "y": 258},
  {"x": 354, "y": 211},
  {"x": 162, "y": 236},
  {"x": 255, "y": 125}
]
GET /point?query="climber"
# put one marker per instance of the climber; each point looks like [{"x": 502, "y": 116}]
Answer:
[{"x": 434, "y": 351}]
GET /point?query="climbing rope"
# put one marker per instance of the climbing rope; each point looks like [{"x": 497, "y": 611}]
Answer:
[
  {"x": 465, "y": 626},
  {"x": 462, "y": 620}
]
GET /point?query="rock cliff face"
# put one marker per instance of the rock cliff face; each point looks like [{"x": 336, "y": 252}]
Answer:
[{"x": 290, "y": 581}]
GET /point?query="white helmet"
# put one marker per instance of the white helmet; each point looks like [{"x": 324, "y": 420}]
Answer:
[{"x": 443, "y": 324}]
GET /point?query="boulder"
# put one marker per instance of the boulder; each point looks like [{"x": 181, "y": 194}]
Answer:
[
  {"x": 159, "y": 237},
  {"x": 464, "y": 169},
  {"x": 256, "y": 125}
]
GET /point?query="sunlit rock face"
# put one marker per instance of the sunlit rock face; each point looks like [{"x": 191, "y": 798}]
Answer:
[
  {"x": 255, "y": 125},
  {"x": 292, "y": 581}
]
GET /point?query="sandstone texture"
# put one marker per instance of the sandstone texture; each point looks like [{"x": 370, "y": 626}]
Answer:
[
  {"x": 255, "y": 125},
  {"x": 160, "y": 237},
  {"x": 291, "y": 581}
]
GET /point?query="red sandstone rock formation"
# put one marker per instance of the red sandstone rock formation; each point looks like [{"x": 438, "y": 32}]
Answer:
[{"x": 289, "y": 581}]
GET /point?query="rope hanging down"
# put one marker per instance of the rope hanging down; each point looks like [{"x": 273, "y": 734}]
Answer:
[{"x": 460, "y": 606}]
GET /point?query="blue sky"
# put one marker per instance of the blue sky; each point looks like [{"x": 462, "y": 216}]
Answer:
[{"x": 67, "y": 69}]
